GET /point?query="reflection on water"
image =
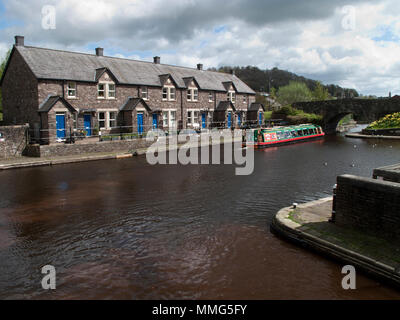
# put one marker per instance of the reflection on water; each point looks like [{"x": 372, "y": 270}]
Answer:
[{"x": 126, "y": 230}]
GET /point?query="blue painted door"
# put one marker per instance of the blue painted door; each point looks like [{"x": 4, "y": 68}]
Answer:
[
  {"x": 155, "y": 121},
  {"x": 239, "y": 120},
  {"x": 140, "y": 123},
  {"x": 229, "y": 119},
  {"x": 203, "y": 120},
  {"x": 260, "y": 118},
  {"x": 60, "y": 123},
  {"x": 87, "y": 120}
]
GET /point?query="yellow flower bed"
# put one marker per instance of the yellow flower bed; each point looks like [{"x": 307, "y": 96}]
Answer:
[{"x": 387, "y": 122}]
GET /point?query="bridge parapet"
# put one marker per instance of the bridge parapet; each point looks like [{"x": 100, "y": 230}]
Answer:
[{"x": 363, "y": 110}]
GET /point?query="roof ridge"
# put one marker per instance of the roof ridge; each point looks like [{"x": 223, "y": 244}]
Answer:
[
  {"x": 127, "y": 59},
  {"x": 42, "y": 68}
]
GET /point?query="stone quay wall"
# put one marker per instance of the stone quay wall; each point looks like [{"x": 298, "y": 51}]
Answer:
[
  {"x": 389, "y": 173},
  {"x": 382, "y": 132},
  {"x": 62, "y": 149},
  {"x": 369, "y": 205},
  {"x": 13, "y": 140}
]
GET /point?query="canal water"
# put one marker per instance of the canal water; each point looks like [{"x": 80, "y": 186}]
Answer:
[{"x": 123, "y": 229}]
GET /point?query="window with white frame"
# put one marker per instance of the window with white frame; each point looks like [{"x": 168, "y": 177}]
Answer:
[
  {"x": 165, "y": 119},
  {"x": 101, "y": 92},
  {"x": 165, "y": 93},
  {"x": 106, "y": 91},
  {"x": 244, "y": 99},
  {"x": 169, "y": 119},
  {"x": 71, "y": 89},
  {"x": 145, "y": 93},
  {"x": 172, "y": 94},
  {"x": 193, "y": 118},
  {"x": 196, "y": 115},
  {"x": 112, "y": 119},
  {"x": 169, "y": 93},
  {"x": 172, "y": 119},
  {"x": 231, "y": 96},
  {"x": 210, "y": 97},
  {"x": 193, "y": 94},
  {"x": 102, "y": 120},
  {"x": 107, "y": 119},
  {"x": 111, "y": 91}
]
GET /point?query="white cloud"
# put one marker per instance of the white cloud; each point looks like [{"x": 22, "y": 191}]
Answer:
[{"x": 305, "y": 36}]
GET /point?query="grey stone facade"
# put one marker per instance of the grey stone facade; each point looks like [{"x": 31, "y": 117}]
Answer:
[
  {"x": 13, "y": 140},
  {"x": 27, "y": 84}
]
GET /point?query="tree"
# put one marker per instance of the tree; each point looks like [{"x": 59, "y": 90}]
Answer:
[
  {"x": 320, "y": 93},
  {"x": 2, "y": 66},
  {"x": 261, "y": 99},
  {"x": 273, "y": 93},
  {"x": 294, "y": 92}
]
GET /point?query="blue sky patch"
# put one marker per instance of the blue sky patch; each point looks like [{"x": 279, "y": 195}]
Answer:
[
  {"x": 220, "y": 29},
  {"x": 386, "y": 36}
]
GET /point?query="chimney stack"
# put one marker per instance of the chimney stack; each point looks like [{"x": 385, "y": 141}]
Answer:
[
  {"x": 99, "y": 52},
  {"x": 157, "y": 60},
  {"x": 199, "y": 66},
  {"x": 19, "y": 41}
]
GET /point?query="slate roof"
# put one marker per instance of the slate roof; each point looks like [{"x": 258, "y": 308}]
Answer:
[
  {"x": 51, "y": 100},
  {"x": 255, "y": 106},
  {"x": 131, "y": 103},
  {"x": 224, "y": 105},
  {"x": 64, "y": 65}
]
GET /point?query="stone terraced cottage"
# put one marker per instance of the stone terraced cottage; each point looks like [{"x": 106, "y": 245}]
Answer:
[{"x": 59, "y": 92}]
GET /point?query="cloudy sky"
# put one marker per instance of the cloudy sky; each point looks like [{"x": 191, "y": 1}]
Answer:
[{"x": 351, "y": 43}]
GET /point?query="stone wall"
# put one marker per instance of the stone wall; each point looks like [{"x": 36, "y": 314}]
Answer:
[
  {"x": 389, "y": 173},
  {"x": 62, "y": 149},
  {"x": 382, "y": 132},
  {"x": 20, "y": 93},
  {"x": 13, "y": 140},
  {"x": 368, "y": 205}
]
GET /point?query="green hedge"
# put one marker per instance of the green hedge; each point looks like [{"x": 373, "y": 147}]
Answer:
[{"x": 295, "y": 116}]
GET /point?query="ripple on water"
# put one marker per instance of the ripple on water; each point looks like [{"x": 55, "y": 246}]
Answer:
[{"x": 128, "y": 230}]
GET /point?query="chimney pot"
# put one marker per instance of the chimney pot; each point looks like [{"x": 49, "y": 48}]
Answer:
[
  {"x": 157, "y": 60},
  {"x": 99, "y": 52},
  {"x": 19, "y": 40},
  {"x": 199, "y": 66}
]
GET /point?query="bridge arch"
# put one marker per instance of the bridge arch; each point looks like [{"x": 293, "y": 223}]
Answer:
[
  {"x": 330, "y": 125},
  {"x": 365, "y": 110}
]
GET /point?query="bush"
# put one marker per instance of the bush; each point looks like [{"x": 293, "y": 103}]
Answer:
[
  {"x": 295, "y": 116},
  {"x": 267, "y": 115},
  {"x": 294, "y": 92},
  {"x": 387, "y": 122}
]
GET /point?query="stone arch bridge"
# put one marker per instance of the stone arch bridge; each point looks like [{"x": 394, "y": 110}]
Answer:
[{"x": 363, "y": 110}]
